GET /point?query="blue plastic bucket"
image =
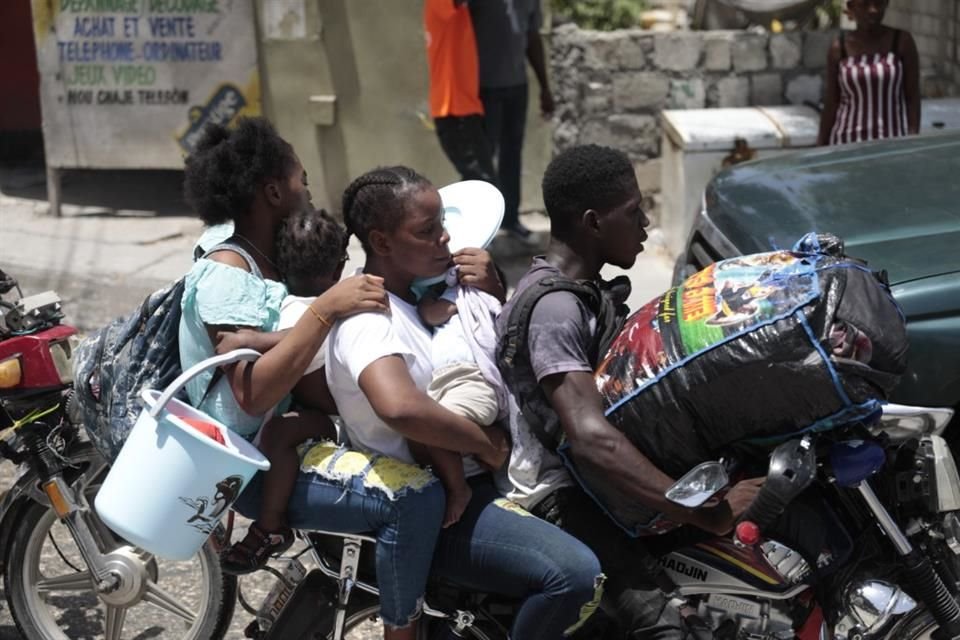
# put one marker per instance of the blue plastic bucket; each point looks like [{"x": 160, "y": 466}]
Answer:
[{"x": 171, "y": 483}]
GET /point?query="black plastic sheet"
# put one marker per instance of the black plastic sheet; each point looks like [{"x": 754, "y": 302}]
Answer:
[{"x": 743, "y": 355}]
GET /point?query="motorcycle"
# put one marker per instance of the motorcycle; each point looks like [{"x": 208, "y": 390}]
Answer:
[
  {"x": 65, "y": 573},
  {"x": 891, "y": 486}
]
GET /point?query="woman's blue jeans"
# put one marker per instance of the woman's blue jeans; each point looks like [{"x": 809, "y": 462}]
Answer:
[
  {"x": 403, "y": 505},
  {"x": 497, "y": 547}
]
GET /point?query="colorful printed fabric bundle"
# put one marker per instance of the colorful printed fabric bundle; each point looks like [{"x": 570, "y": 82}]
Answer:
[{"x": 746, "y": 354}]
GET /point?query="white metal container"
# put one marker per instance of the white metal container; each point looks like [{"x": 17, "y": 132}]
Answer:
[{"x": 697, "y": 143}]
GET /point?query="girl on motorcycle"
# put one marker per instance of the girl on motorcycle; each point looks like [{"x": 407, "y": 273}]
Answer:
[
  {"x": 379, "y": 367},
  {"x": 250, "y": 175}
]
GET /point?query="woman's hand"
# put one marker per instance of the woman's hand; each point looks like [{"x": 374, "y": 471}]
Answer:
[
  {"x": 352, "y": 295},
  {"x": 476, "y": 269},
  {"x": 500, "y": 451}
]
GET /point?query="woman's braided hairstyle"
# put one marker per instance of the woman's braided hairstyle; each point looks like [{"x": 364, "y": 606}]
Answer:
[
  {"x": 375, "y": 200},
  {"x": 228, "y": 165}
]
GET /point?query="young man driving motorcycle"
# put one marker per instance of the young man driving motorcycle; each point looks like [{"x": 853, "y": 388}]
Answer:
[{"x": 594, "y": 203}]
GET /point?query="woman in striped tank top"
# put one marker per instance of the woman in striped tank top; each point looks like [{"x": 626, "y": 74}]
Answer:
[{"x": 872, "y": 89}]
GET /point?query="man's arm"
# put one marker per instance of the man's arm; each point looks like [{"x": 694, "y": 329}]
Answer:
[
  {"x": 911, "y": 81},
  {"x": 537, "y": 60},
  {"x": 831, "y": 95},
  {"x": 597, "y": 443}
]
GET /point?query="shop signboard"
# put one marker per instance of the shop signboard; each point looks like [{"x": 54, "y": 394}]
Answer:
[{"x": 130, "y": 84}]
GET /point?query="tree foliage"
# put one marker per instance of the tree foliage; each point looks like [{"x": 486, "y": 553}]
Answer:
[{"x": 602, "y": 15}]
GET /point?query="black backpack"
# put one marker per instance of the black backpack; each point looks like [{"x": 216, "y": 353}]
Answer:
[{"x": 605, "y": 301}]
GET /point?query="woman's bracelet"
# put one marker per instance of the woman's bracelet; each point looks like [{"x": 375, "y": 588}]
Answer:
[{"x": 319, "y": 317}]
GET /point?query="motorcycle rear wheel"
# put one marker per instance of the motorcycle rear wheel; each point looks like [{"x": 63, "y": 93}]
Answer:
[{"x": 52, "y": 596}]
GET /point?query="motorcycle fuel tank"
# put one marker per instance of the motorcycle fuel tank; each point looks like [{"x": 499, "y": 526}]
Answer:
[{"x": 720, "y": 566}]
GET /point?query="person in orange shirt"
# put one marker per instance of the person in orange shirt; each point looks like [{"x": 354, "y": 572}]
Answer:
[{"x": 455, "y": 104}]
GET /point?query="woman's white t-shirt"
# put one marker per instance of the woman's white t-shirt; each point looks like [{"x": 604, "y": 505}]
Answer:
[{"x": 357, "y": 342}]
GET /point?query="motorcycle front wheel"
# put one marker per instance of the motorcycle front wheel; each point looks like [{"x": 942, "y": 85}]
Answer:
[
  {"x": 918, "y": 625},
  {"x": 52, "y": 595}
]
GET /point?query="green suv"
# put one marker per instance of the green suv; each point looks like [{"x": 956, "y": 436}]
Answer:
[{"x": 897, "y": 206}]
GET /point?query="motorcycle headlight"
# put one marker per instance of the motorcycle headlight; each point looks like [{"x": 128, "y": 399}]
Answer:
[
  {"x": 903, "y": 422},
  {"x": 10, "y": 373},
  {"x": 869, "y": 606},
  {"x": 946, "y": 480}
]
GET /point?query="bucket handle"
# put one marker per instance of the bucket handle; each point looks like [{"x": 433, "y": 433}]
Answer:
[{"x": 210, "y": 363}]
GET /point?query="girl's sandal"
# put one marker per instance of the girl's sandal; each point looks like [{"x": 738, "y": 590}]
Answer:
[{"x": 256, "y": 548}]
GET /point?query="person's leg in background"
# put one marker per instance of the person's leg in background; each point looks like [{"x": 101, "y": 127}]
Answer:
[
  {"x": 465, "y": 144},
  {"x": 493, "y": 110},
  {"x": 498, "y": 547},
  {"x": 510, "y": 156}
]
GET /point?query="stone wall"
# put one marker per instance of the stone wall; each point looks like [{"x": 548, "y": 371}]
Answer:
[
  {"x": 611, "y": 86},
  {"x": 935, "y": 26}
]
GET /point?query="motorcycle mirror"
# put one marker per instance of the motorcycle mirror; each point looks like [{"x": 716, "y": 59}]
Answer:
[
  {"x": 698, "y": 485},
  {"x": 7, "y": 283}
]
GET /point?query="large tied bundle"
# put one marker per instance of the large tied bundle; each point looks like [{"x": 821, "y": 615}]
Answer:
[{"x": 745, "y": 354}]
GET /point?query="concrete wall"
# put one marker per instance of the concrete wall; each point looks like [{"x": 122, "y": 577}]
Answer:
[
  {"x": 612, "y": 85},
  {"x": 369, "y": 57},
  {"x": 935, "y": 26}
]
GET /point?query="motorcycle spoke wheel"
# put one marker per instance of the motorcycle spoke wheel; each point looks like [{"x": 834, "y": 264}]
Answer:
[
  {"x": 113, "y": 629},
  {"x": 159, "y": 598},
  {"x": 81, "y": 581},
  {"x": 49, "y": 600}
]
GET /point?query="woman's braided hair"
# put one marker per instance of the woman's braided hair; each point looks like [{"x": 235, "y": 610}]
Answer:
[{"x": 375, "y": 200}]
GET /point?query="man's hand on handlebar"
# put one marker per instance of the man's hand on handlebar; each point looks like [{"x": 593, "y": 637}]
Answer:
[{"x": 721, "y": 519}]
